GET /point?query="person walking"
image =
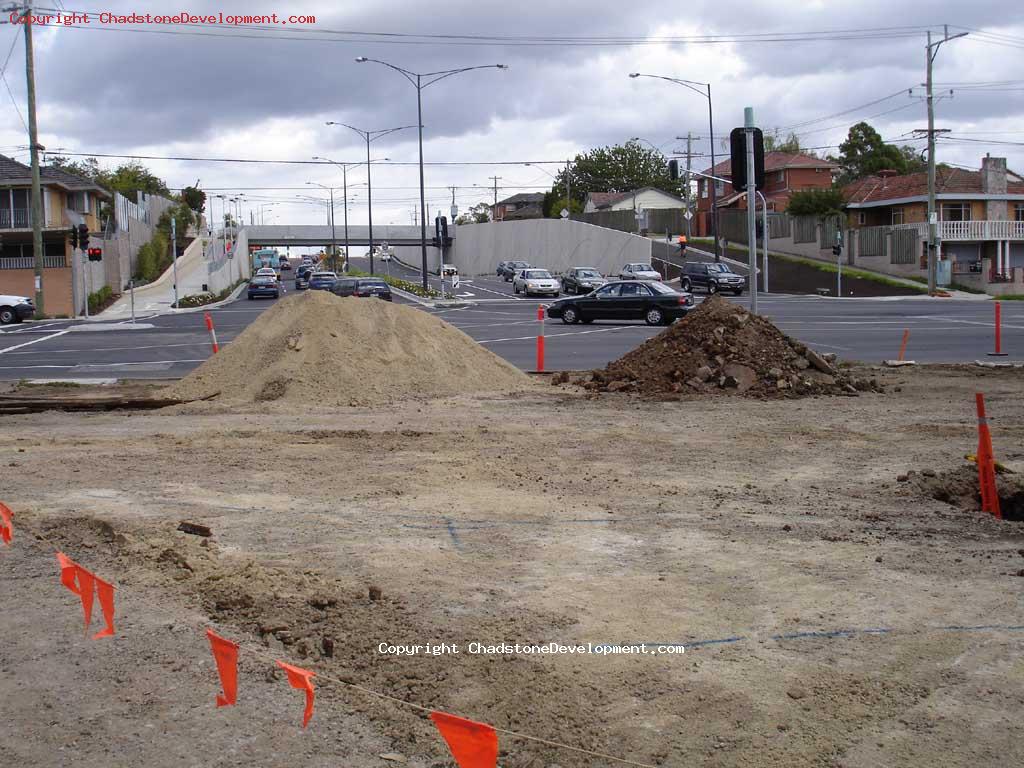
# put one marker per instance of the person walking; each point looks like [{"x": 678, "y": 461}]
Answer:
[{"x": 682, "y": 245}]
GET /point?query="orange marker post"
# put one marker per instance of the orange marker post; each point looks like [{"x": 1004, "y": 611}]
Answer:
[
  {"x": 903, "y": 344},
  {"x": 6, "y": 523},
  {"x": 999, "y": 332},
  {"x": 213, "y": 333},
  {"x": 986, "y": 462},
  {"x": 540, "y": 340}
]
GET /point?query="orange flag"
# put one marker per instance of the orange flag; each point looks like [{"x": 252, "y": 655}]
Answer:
[
  {"x": 225, "y": 653},
  {"x": 473, "y": 744},
  {"x": 105, "y": 592},
  {"x": 300, "y": 678},
  {"x": 6, "y": 526},
  {"x": 79, "y": 581}
]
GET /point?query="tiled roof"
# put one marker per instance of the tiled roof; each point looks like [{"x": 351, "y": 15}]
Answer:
[
  {"x": 532, "y": 211},
  {"x": 776, "y": 161},
  {"x": 948, "y": 181},
  {"x": 13, "y": 172},
  {"x": 523, "y": 197}
]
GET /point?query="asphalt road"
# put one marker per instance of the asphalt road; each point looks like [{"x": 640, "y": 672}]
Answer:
[{"x": 169, "y": 346}]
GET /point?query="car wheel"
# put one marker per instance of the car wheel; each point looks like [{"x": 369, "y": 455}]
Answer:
[
  {"x": 587, "y": 320},
  {"x": 654, "y": 316},
  {"x": 250, "y": 297},
  {"x": 515, "y": 289},
  {"x": 712, "y": 288},
  {"x": 7, "y": 316},
  {"x": 685, "y": 284},
  {"x": 570, "y": 316},
  {"x": 739, "y": 292},
  {"x": 556, "y": 294}
]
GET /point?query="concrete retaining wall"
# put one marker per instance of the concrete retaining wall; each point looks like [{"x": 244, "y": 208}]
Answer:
[{"x": 551, "y": 243}]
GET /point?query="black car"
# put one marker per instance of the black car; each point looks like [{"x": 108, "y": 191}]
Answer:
[
  {"x": 264, "y": 285},
  {"x": 302, "y": 277},
  {"x": 501, "y": 266},
  {"x": 582, "y": 280},
  {"x": 322, "y": 281},
  {"x": 285, "y": 264},
  {"x": 654, "y": 303},
  {"x": 711, "y": 276},
  {"x": 511, "y": 268},
  {"x": 362, "y": 286}
]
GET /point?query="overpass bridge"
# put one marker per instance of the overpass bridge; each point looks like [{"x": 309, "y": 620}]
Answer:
[{"x": 320, "y": 235}]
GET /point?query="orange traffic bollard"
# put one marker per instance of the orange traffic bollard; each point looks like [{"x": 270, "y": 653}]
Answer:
[
  {"x": 540, "y": 340},
  {"x": 986, "y": 462},
  {"x": 213, "y": 333},
  {"x": 903, "y": 345},
  {"x": 999, "y": 332}
]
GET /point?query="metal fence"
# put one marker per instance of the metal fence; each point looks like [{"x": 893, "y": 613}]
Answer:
[
  {"x": 830, "y": 227},
  {"x": 872, "y": 241},
  {"x": 904, "y": 246},
  {"x": 805, "y": 229},
  {"x": 28, "y": 262}
]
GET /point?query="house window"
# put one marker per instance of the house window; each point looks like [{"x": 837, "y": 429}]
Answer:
[
  {"x": 782, "y": 177},
  {"x": 78, "y": 201},
  {"x": 897, "y": 215},
  {"x": 703, "y": 189},
  {"x": 861, "y": 218},
  {"x": 1019, "y": 216},
  {"x": 719, "y": 188},
  {"x": 956, "y": 211}
]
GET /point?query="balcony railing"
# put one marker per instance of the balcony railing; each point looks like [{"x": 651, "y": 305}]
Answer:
[
  {"x": 972, "y": 230},
  {"x": 27, "y": 262}
]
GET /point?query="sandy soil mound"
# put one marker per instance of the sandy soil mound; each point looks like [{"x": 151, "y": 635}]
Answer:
[
  {"x": 721, "y": 346},
  {"x": 320, "y": 349}
]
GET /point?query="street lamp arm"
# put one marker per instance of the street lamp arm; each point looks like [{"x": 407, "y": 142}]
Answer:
[
  {"x": 374, "y": 135},
  {"x": 410, "y": 76},
  {"x": 436, "y": 76},
  {"x": 691, "y": 84}
]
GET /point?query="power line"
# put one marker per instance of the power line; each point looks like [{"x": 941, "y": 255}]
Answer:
[
  {"x": 847, "y": 111},
  {"x": 259, "y": 161}
]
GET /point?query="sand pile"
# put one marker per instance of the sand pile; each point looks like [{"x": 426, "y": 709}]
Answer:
[
  {"x": 720, "y": 346},
  {"x": 319, "y": 349}
]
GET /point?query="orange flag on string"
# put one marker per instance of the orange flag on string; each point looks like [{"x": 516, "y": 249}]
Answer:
[
  {"x": 473, "y": 744},
  {"x": 79, "y": 581},
  {"x": 225, "y": 653},
  {"x": 300, "y": 678},
  {"x": 6, "y": 526},
  {"x": 105, "y": 592}
]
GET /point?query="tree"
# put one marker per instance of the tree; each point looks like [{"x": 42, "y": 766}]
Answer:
[
  {"x": 477, "y": 214},
  {"x": 131, "y": 178},
  {"x": 816, "y": 202},
  {"x": 194, "y": 198},
  {"x": 87, "y": 169},
  {"x": 864, "y": 154},
  {"x": 773, "y": 143},
  {"x": 554, "y": 204},
  {"x": 618, "y": 168}
]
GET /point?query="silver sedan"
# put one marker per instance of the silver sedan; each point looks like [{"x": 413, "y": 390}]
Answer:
[{"x": 535, "y": 281}]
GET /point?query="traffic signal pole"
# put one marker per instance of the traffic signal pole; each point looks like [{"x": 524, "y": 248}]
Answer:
[{"x": 748, "y": 124}]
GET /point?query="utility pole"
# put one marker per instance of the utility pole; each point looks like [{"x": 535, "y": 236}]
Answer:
[
  {"x": 33, "y": 140},
  {"x": 748, "y": 124},
  {"x": 174, "y": 257},
  {"x": 568, "y": 190},
  {"x": 689, "y": 155},
  {"x": 495, "y": 179},
  {"x": 933, "y": 219}
]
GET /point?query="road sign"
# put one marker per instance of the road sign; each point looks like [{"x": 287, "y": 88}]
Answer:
[
  {"x": 564, "y": 213},
  {"x": 455, "y": 281},
  {"x": 687, "y": 215}
]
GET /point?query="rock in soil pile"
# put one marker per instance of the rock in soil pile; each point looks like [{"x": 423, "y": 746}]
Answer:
[
  {"x": 320, "y": 349},
  {"x": 719, "y": 346}
]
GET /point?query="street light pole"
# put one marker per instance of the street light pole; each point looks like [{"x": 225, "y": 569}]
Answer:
[{"x": 416, "y": 79}]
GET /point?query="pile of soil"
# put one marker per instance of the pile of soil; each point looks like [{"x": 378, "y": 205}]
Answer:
[
  {"x": 960, "y": 488},
  {"x": 320, "y": 349},
  {"x": 719, "y": 346}
]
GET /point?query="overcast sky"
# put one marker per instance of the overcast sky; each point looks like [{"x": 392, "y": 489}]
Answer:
[{"x": 123, "y": 91}]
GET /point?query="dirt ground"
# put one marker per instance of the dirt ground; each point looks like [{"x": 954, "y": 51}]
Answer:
[{"x": 833, "y": 615}]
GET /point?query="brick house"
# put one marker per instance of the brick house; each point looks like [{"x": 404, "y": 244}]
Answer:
[
  {"x": 67, "y": 200},
  {"x": 980, "y": 217},
  {"x": 525, "y": 205},
  {"x": 785, "y": 173}
]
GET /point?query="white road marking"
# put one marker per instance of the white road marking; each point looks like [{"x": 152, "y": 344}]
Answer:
[
  {"x": 572, "y": 333},
  {"x": 202, "y": 343},
  {"x": 97, "y": 365},
  {"x": 34, "y": 341}
]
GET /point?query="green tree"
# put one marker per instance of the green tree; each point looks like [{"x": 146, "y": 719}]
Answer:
[
  {"x": 617, "y": 168},
  {"x": 194, "y": 198},
  {"x": 864, "y": 154},
  {"x": 87, "y": 169},
  {"x": 774, "y": 143},
  {"x": 477, "y": 214},
  {"x": 184, "y": 217},
  {"x": 131, "y": 178},
  {"x": 816, "y": 202}
]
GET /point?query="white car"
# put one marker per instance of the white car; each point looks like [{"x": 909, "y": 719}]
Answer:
[
  {"x": 266, "y": 272},
  {"x": 639, "y": 271},
  {"x": 539, "y": 281},
  {"x": 14, "y": 309},
  {"x": 449, "y": 270}
]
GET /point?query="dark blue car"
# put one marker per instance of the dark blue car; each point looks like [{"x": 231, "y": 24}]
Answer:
[
  {"x": 322, "y": 281},
  {"x": 264, "y": 286}
]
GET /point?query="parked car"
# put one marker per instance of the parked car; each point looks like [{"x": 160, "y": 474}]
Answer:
[
  {"x": 531, "y": 281},
  {"x": 510, "y": 269},
  {"x": 14, "y": 309},
  {"x": 712, "y": 276},
  {"x": 264, "y": 285},
  {"x": 322, "y": 281},
  {"x": 653, "y": 302},
  {"x": 362, "y": 286},
  {"x": 582, "y": 280},
  {"x": 639, "y": 272}
]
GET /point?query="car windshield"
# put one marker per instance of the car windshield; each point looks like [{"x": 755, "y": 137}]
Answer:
[
  {"x": 587, "y": 273},
  {"x": 643, "y": 268},
  {"x": 660, "y": 288},
  {"x": 373, "y": 284},
  {"x": 519, "y": 264},
  {"x": 719, "y": 268},
  {"x": 538, "y": 274}
]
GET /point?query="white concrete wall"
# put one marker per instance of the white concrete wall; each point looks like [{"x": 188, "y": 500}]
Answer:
[{"x": 551, "y": 243}]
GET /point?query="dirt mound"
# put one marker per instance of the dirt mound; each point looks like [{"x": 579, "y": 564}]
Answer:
[
  {"x": 320, "y": 349},
  {"x": 960, "y": 487},
  {"x": 721, "y": 347}
]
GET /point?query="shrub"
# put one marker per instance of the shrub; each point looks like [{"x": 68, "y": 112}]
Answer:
[{"x": 101, "y": 299}]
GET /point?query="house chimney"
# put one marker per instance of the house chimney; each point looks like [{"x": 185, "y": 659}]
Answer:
[{"x": 993, "y": 182}]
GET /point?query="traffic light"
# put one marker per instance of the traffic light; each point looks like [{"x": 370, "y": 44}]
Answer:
[
  {"x": 673, "y": 169},
  {"x": 83, "y": 236},
  {"x": 738, "y": 157},
  {"x": 95, "y": 254},
  {"x": 74, "y": 238},
  {"x": 445, "y": 239},
  {"x": 837, "y": 250}
]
